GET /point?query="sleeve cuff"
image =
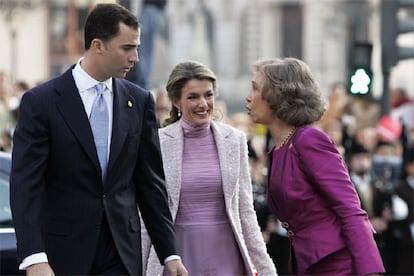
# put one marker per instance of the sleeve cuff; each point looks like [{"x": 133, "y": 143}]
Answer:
[
  {"x": 171, "y": 258},
  {"x": 36, "y": 258}
]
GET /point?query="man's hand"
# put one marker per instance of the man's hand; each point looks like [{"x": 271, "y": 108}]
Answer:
[
  {"x": 176, "y": 268},
  {"x": 41, "y": 269}
]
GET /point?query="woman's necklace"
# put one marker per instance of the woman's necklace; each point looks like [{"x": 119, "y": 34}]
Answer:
[{"x": 292, "y": 130}]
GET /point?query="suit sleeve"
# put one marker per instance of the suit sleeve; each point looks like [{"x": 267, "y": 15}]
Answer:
[
  {"x": 326, "y": 170},
  {"x": 29, "y": 158},
  {"x": 250, "y": 226},
  {"x": 150, "y": 187}
]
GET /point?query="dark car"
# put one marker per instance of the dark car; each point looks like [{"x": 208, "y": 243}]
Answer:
[{"x": 8, "y": 261}]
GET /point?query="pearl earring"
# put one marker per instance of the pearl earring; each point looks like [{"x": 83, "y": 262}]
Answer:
[{"x": 179, "y": 112}]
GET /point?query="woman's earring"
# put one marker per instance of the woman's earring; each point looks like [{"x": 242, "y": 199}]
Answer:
[{"x": 179, "y": 112}]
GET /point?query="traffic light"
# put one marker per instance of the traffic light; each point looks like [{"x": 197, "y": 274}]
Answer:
[
  {"x": 396, "y": 18},
  {"x": 360, "y": 77},
  {"x": 360, "y": 82}
]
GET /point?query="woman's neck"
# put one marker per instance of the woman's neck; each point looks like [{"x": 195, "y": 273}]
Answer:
[{"x": 281, "y": 133}]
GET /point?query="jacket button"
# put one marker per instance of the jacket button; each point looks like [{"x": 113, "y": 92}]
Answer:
[{"x": 285, "y": 225}]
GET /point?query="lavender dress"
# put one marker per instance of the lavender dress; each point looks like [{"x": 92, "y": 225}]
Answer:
[{"x": 205, "y": 238}]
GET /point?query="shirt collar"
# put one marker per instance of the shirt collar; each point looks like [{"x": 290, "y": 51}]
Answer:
[
  {"x": 84, "y": 81},
  {"x": 410, "y": 181},
  {"x": 361, "y": 181}
]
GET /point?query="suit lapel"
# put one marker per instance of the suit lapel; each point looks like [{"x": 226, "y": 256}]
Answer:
[
  {"x": 121, "y": 119},
  {"x": 228, "y": 153},
  {"x": 69, "y": 104}
]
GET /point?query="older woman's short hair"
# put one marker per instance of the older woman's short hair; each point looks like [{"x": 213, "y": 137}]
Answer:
[{"x": 291, "y": 90}]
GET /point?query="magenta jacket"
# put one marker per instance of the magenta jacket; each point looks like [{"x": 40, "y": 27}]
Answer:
[{"x": 310, "y": 192}]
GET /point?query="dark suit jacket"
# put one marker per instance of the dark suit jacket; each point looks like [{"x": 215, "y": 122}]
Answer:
[
  {"x": 58, "y": 199},
  {"x": 381, "y": 199},
  {"x": 405, "y": 251}
]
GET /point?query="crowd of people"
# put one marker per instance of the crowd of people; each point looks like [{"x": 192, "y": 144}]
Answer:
[
  {"x": 9, "y": 103},
  {"x": 295, "y": 185}
]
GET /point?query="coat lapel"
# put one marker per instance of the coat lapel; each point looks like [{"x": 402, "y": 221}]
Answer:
[
  {"x": 172, "y": 146},
  {"x": 228, "y": 152},
  {"x": 69, "y": 104}
]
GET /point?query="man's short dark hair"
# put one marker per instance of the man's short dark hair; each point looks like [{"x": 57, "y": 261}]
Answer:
[{"x": 103, "y": 22}]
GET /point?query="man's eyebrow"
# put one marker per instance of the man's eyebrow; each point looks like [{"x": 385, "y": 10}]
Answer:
[{"x": 131, "y": 45}]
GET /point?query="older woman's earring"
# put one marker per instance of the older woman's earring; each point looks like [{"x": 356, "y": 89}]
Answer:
[{"x": 179, "y": 112}]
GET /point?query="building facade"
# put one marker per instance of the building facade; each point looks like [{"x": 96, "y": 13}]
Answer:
[{"x": 41, "y": 39}]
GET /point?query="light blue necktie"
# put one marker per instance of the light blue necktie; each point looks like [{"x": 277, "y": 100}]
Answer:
[{"x": 99, "y": 120}]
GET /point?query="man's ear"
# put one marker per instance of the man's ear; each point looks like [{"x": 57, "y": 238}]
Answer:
[{"x": 97, "y": 45}]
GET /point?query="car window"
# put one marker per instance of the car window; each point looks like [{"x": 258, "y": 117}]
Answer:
[{"x": 5, "y": 211}]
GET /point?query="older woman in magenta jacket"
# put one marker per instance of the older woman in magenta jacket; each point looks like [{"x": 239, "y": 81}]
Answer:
[{"x": 309, "y": 186}]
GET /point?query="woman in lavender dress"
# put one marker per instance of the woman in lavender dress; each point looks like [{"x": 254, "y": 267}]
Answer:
[{"x": 208, "y": 184}]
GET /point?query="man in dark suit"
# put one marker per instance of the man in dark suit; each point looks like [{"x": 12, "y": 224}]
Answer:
[
  {"x": 404, "y": 223},
  {"x": 74, "y": 207},
  {"x": 375, "y": 199}
]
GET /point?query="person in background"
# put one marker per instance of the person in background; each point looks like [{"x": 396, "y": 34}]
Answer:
[
  {"x": 366, "y": 136},
  {"x": 309, "y": 189},
  {"x": 162, "y": 106},
  {"x": 337, "y": 102},
  {"x": 399, "y": 97},
  {"x": 387, "y": 162},
  {"x": 404, "y": 224},
  {"x": 222, "y": 111},
  {"x": 376, "y": 200},
  {"x": 336, "y": 131},
  {"x": 152, "y": 19},
  {"x": 402, "y": 106},
  {"x": 208, "y": 183},
  {"x": 85, "y": 156},
  {"x": 6, "y": 141},
  {"x": 7, "y": 118}
]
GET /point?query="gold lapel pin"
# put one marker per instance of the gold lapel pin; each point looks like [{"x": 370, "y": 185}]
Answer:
[{"x": 129, "y": 104}]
